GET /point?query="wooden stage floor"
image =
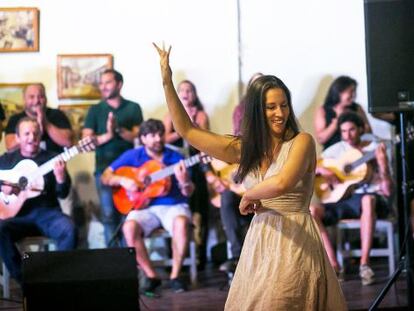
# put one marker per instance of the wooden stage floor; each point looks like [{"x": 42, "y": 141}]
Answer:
[{"x": 211, "y": 292}]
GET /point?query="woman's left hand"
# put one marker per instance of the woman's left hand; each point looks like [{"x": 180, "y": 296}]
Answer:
[
  {"x": 164, "y": 62},
  {"x": 248, "y": 206}
]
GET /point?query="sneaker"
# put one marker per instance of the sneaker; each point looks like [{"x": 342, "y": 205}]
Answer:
[
  {"x": 178, "y": 285},
  {"x": 229, "y": 266},
  {"x": 150, "y": 285},
  {"x": 366, "y": 274}
]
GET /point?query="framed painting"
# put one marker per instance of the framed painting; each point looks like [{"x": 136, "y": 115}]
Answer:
[
  {"x": 76, "y": 114},
  {"x": 78, "y": 74},
  {"x": 11, "y": 97},
  {"x": 19, "y": 29}
]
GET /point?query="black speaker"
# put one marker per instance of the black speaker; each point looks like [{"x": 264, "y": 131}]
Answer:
[
  {"x": 389, "y": 33},
  {"x": 101, "y": 279}
]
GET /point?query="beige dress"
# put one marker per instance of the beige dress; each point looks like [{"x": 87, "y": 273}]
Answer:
[{"x": 283, "y": 265}]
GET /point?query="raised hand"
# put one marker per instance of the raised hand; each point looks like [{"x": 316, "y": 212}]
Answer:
[
  {"x": 166, "y": 72},
  {"x": 110, "y": 123},
  {"x": 40, "y": 117}
]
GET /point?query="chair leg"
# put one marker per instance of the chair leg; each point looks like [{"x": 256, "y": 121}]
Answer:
[
  {"x": 339, "y": 247},
  {"x": 391, "y": 253},
  {"x": 6, "y": 281},
  {"x": 193, "y": 265}
]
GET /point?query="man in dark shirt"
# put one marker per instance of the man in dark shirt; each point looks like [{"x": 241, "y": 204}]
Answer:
[
  {"x": 22, "y": 215},
  {"x": 114, "y": 122},
  {"x": 54, "y": 125}
]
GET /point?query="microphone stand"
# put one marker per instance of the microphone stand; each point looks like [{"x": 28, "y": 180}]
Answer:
[{"x": 405, "y": 262}]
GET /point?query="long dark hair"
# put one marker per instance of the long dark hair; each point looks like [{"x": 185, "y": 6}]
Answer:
[
  {"x": 197, "y": 102},
  {"x": 256, "y": 139},
  {"x": 339, "y": 85}
]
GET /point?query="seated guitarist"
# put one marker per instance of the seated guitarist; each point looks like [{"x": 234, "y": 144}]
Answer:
[
  {"x": 40, "y": 215},
  {"x": 365, "y": 202},
  {"x": 170, "y": 211}
]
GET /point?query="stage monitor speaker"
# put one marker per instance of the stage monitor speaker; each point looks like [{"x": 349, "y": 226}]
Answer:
[
  {"x": 389, "y": 33},
  {"x": 101, "y": 279}
]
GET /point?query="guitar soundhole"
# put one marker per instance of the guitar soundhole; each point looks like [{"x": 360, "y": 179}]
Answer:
[
  {"x": 348, "y": 168},
  {"x": 23, "y": 182},
  {"x": 147, "y": 181}
]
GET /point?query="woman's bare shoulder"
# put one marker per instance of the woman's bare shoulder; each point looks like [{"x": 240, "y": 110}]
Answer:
[{"x": 304, "y": 138}]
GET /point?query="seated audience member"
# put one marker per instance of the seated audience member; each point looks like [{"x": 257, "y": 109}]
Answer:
[
  {"x": 55, "y": 128},
  {"x": 340, "y": 98},
  {"x": 394, "y": 119},
  {"x": 234, "y": 224},
  {"x": 40, "y": 215},
  {"x": 366, "y": 201},
  {"x": 199, "y": 200},
  {"x": 170, "y": 211}
]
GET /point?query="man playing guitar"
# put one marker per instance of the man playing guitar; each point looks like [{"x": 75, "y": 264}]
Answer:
[
  {"x": 367, "y": 198},
  {"x": 40, "y": 215},
  {"x": 170, "y": 211}
]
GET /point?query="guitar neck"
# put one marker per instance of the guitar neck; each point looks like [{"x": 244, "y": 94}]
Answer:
[
  {"x": 371, "y": 154},
  {"x": 365, "y": 158},
  {"x": 49, "y": 165},
  {"x": 169, "y": 170}
]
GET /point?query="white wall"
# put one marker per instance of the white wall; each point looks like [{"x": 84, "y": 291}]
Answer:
[{"x": 306, "y": 43}]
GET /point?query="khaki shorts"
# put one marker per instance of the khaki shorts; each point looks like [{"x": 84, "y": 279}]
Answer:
[{"x": 157, "y": 216}]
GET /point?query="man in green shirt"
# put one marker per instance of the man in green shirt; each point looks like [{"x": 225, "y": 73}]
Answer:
[{"x": 115, "y": 123}]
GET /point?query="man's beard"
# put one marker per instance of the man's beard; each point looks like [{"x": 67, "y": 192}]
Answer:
[
  {"x": 157, "y": 148},
  {"x": 112, "y": 95},
  {"x": 32, "y": 111}
]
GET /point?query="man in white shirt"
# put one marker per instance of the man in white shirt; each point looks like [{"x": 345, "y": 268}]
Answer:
[{"x": 367, "y": 198}]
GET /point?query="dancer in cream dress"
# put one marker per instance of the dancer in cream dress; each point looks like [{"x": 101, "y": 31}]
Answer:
[{"x": 283, "y": 265}]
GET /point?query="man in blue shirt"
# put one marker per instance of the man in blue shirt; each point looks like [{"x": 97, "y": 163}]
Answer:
[{"x": 170, "y": 211}]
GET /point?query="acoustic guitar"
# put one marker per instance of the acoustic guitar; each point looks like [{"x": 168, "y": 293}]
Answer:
[
  {"x": 27, "y": 177},
  {"x": 153, "y": 180},
  {"x": 351, "y": 169},
  {"x": 226, "y": 172}
]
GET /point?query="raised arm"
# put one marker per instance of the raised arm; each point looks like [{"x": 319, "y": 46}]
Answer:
[
  {"x": 222, "y": 147},
  {"x": 105, "y": 137},
  {"x": 61, "y": 135}
]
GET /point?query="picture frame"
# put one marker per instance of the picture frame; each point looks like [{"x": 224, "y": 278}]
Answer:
[
  {"x": 11, "y": 97},
  {"x": 76, "y": 114},
  {"x": 78, "y": 75},
  {"x": 19, "y": 29}
]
